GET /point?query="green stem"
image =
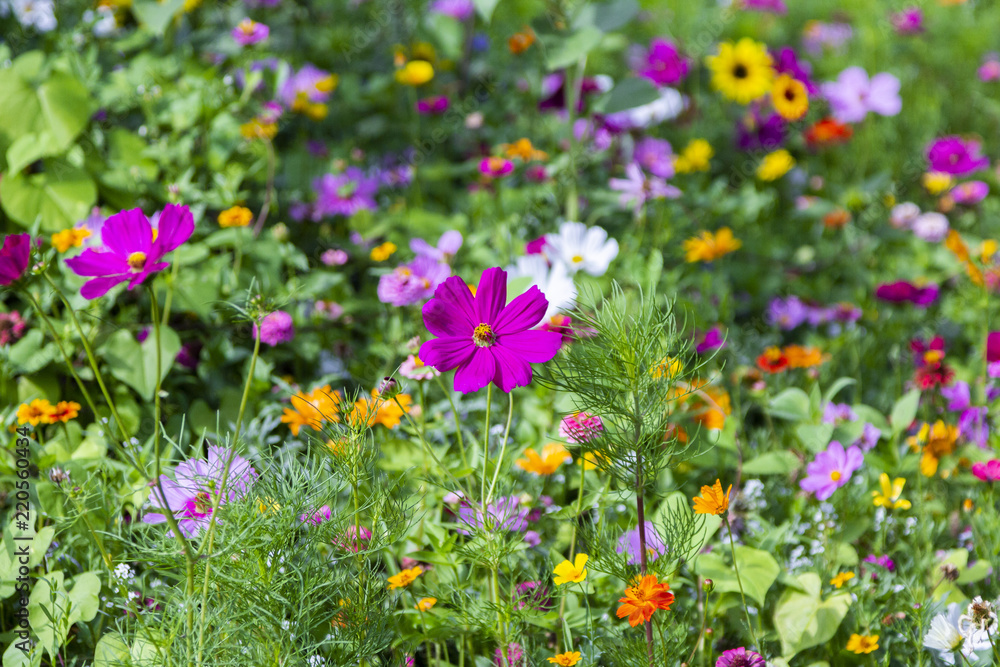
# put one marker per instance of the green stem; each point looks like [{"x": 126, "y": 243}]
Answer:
[
  {"x": 503, "y": 448},
  {"x": 572, "y": 549},
  {"x": 736, "y": 568},
  {"x": 246, "y": 387},
  {"x": 486, "y": 444},
  {"x": 458, "y": 422}
]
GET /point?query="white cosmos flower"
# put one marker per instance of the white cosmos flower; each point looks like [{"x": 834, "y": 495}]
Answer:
[
  {"x": 944, "y": 636},
  {"x": 554, "y": 282},
  {"x": 582, "y": 248},
  {"x": 37, "y": 13}
]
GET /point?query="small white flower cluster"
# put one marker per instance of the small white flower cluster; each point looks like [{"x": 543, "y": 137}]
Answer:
[
  {"x": 968, "y": 632},
  {"x": 37, "y": 14},
  {"x": 124, "y": 573}
]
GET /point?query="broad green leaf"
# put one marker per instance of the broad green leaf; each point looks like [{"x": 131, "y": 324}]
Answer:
[
  {"x": 814, "y": 436},
  {"x": 628, "y": 94},
  {"x": 15, "y": 657},
  {"x": 485, "y": 8},
  {"x": 31, "y": 354},
  {"x": 606, "y": 16},
  {"x": 805, "y": 619},
  {"x": 772, "y": 463},
  {"x": 135, "y": 364},
  {"x": 758, "y": 571},
  {"x": 84, "y": 597},
  {"x": 60, "y": 196},
  {"x": 156, "y": 16},
  {"x": 28, "y": 148},
  {"x": 904, "y": 411},
  {"x": 791, "y": 404},
  {"x": 835, "y": 388},
  {"x": 562, "y": 51},
  {"x": 46, "y": 611},
  {"x": 111, "y": 651}
]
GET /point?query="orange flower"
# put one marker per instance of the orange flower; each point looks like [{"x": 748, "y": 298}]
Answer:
[
  {"x": 39, "y": 410},
  {"x": 712, "y": 500},
  {"x": 376, "y": 410},
  {"x": 64, "y": 411},
  {"x": 405, "y": 578},
  {"x": 523, "y": 150},
  {"x": 772, "y": 360},
  {"x": 520, "y": 42},
  {"x": 717, "y": 407},
  {"x": 312, "y": 409},
  {"x": 644, "y": 597},
  {"x": 803, "y": 357},
  {"x": 836, "y": 218},
  {"x": 828, "y": 132},
  {"x": 553, "y": 455}
]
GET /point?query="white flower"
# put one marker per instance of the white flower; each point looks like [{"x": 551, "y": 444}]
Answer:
[
  {"x": 931, "y": 227},
  {"x": 903, "y": 215},
  {"x": 554, "y": 282},
  {"x": 106, "y": 23},
  {"x": 981, "y": 616},
  {"x": 123, "y": 572},
  {"x": 581, "y": 248},
  {"x": 668, "y": 106},
  {"x": 39, "y": 14}
]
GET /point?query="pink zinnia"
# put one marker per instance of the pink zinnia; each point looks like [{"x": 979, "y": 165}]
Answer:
[
  {"x": 993, "y": 346},
  {"x": 248, "y": 32},
  {"x": 771, "y": 6},
  {"x": 904, "y": 291},
  {"x": 317, "y": 517},
  {"x": 990, "y": 69},
  {"x": 740, "y": 657},
  {"x": 275, "y": 328},
  {"x": 484, "y": 339},
  {"x": 970, "y": 193},
  {"x": 349, "y": 540},
  {"x": 12, "y": 327},
  {"x": 831, "y": 469},
  {"x": 433, "y": 105},
  {"x": 130, "y": 252},
  {"x": 14, "y": 257},
  {"x": 910, "y": 21},
  {"x": 495, "y": 167},
  {"x": 580, "y": 427},
  {"x": 988, "y": 472}
]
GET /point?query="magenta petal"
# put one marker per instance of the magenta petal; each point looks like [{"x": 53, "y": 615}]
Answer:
[
  {"x": 511, "y": 370},
  {"x": 137, "y": 279},
  {"x": 98, "y": 287},
  {"x": 522, "y": 313},
  {"x": 446, "y": 353},
  {"x": 176, "y": 226},
  {"x": 95, "y": 263},
  {"x": 477, "y": 372},
  {"x": 491, "y": 295},
  {"x": 533, "y": 346},
  {"x": 127, "y": 232},
  {"x": 452, "y": 311},
  {"x": 14, "y": 257}
]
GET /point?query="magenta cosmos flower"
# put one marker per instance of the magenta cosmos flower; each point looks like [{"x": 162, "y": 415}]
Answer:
[
  {"x": 970, "y": 192},
  {"x": 248, "y": 32},
  {"x": 131, "y": 250},
  {"x": 484, "y": 339},
  {"x": 831, "y": 470},
  {"x": 276, "y": 328},
  {"x": 901, "y": 290},
  {"x": 198, "y": 486},
  {"x": 495, "y": 167},
  {"x": 664, "y": 65},
  {"x": 14, "y": 257},
  {"x": 956, "y": 156},
  {"x": 988, "y": 472},
  {"x": 740, "y": 657}
]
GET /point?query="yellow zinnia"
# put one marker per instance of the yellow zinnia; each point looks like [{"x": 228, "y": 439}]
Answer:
[
  {"x": 694, "y": 157},
  {"x": 383, "y": 252},
  {"x": 862, "y": 643},
  {"x": 789, "y": 97},
  {"x": 69, "y": 238},
  {"x": 237, "y": 216},
  {"x": 742, "y": 71},
  {"x": 775, "y": 165},
  {"x": 415, "y": 73},
  {"x": 708, "y": 247},
  {"x": 405, "y": 578}
]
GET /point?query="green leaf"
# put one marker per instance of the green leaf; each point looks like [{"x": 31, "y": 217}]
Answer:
[
  {"x": 135, "y": 364},
  {"x": 156, "y": 16},
  {"x": 814, "y": 436},
  {"x": 60, "y": 196},
  {"x": 111, "y": 651},
  {"x": 31, "y": 354},
  {"x": 835, "y": 388},
  {"x": 791, "y": 404},
  {"x": 758, "y": 570},
  {"x": 84, "y": 597},
  {"x": 28, "y": 148},
  {"x": 772, "y": 463},
  {"x": 803, "y": 619},
  {"x": 904, "y": 411},
  {"x": 563, "y": 51},
  {"x": 485, "y": 8},
  {"x": 628, "y": 94},
  {"x": 607, "y": 16}
]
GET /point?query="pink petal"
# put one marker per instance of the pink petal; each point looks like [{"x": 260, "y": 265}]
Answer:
[
  {"x": 98, "y": 287},
  {"x": 446, "y": 353},
  {"x": 175, "y": 227},
  {"x": 522, "y": 313},
  {"x": 452, "y": 311},
  {"x": 491, "y": 295},
  {"x": 533, "y": 346},
  {"x": 95, "y": 263},
  {"x": 127, "y": 232},
  {"x": 477, "y": 372},
  {"x": 511, "y": 370}
]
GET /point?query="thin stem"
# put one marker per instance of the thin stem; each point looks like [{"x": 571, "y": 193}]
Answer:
[
  {"x": 736, "y": 568},
  {"x": 458, "y": 422},
  {"x": 427, "y": 447},
  {"x": 572, "y": 548},
  {"x": 269, "y": 192},
  {"x": 246, "y": 387},
  {"x": 503, "y": 448},
  {"x": 486, "y": 443}
]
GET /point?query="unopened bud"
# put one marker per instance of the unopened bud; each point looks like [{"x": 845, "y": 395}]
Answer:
[
  {"x": 708, "y": 585},
  {"x": 709, "y": 632},
  {"x": 949, "y": 571},
  {"x": 388, "y": 388}
]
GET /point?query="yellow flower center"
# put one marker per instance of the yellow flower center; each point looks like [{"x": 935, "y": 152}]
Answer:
[
  {"x": 835, "y": 475},
  {"x": 483, "y": 335},
  {"x": 577, "y": 259},
  {"x": 137, "y": 261},
  {"x": 246, "y": 26}
]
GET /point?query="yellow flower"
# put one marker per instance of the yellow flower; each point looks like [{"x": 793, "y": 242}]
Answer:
[
  {"x": 567, "y": 572},
  {"x": 803, "y": 357},
  {"x": 708, "y": 247},
  {"x": 567, "y": 659},
  {"x": 841, "y": 579},
  {"x": 668, "y": 367},
  {"x": 712, "y": 500},
  {"x": 415, "y": 73},
  {"x": 862, "y": 643},
  {"x": 190, "y": 5},
  {"x": 405, "y": 578},
  {"x": 425, "y": 604},
  {"x": 936, "y": 182},
  {"x": 789, "y": 97},
  {"x": 237, "y": 216},
  {"x": 775, "y": 165},
  {"x": 694, "y": 157},
  {"x": 257, "y": 129},
  {"x": 268, "y": 506},
  {"x": 589, "y": 461},
  {"x": 741, "y": 71},
  {"x": 69, "y": 238},
  {"x": 383, "y": 252},
  {"x": 553, "y": 455},
  {"x": 39, "y": 410},
  {"x": 937, "y": 441},
  {"x": 891, "y": 492},
  {"x": 523, "y": 150},
  {"x": 987, "y": 249}
]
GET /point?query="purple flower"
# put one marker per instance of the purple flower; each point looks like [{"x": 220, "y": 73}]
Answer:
[
  {"x": 664, "y": 65},
  {"x": 957, "y": 395},
  {"x": 599, "y": 136},
  {"x": 853, "y": 95},
  {"x": 990, "y": 69},
  {"x": 629, "y": 544},
  {"x": 534, "y": 593},
  {"x": 973, "y": 426},
  {"x": 755, "y": 133},
  {"x": 14, "y": 257},
  {"x": 129, "y": 252},
  {"x": 831, "y": 469},
  {"x": 901, "y": 290},
  {"x": 486, "y": 340},
  {"x": 435, "y": 104},
  {"x": 197, "y": 486},
  {"x": 956, "y": 156},
  {"x": 309, "y": 85},
  {"x": 334, "y": 257},
  {"x": 931, "y": 227},
  {"x": 713, "y": 340},
  {"x": 275, "y": 328},
  {"x": 770, "y": 6},
  {"x": 787, "y": 62},
  {"x": 787, "y": 313},
  {"x": 460, "y": 10},
  {"x": 188, "y": 354},
  {"x": 248, "y": 32},
  {"x": 12, "y": 327},
  {"x": 970, "y": 193},
  {"x": 846, "y": 313},
  {"x": 447, "y": 246},
  {"x": 636, "y": 188},
  {"x": 834, "y": 413},
  {"x": 740, "y": 657},
  {"x": 413, "y": 282},
  {"x": 881, "y": 561},
  {"x": 515, "y": 656},
  {"x": 910, "y": 21},
  {"x": 870, "y": 436},
  {"x": 317, "y": 517},
  {"x": 655, "y": 156},
  {"x": 344, "y": 194},
  {"x": 505, "y": 513},
  {"x": 553, "y": 91},
  {"x": 819, "y": 35}
]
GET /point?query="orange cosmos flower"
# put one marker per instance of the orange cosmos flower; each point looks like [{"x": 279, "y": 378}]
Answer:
[
  {"x": 553, "y": 455},
  {"x": 708, "y": 247},
  {"x": 405, "y": 578},
  {"x": 644, "y": 597},
  {"x": 567, "y": 659},
  {"x": 377, "y": 410},
  {"x": 312, "y": 409},
  {"x": 39, "y": 410},
  {"x": 803, "y": 357},
  {"x": 712, "y": 500},
  {"x": 523, "y": 150},
  {"x": 827, "y": 132},
  {"x": 64, "y": 411},
  {"x": 520, "y": 42}
]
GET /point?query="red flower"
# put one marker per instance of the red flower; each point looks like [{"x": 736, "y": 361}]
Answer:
[
  {"x": 827, "y": 132},
  {"x": 773, "y": 360}
]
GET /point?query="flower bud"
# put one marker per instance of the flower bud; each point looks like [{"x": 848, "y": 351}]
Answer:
[
  {"x": 708, "y": 585},
  {"x": 949, "y": 571},
  {"x": 388, "y": 388}
]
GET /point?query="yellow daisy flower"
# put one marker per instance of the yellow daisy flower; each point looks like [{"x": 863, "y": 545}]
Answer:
[{"x": 742, "y": 71}]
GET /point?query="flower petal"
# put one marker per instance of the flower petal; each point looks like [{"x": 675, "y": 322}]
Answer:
[
  {"x": 491, "y": 295},
  {"x": 98, "y": 287},
  {"x": 511, "y": 369},
  {"x": 446, "y": 353},
  {"x": 175, "y": 227},
  {"x": 522, "y": 313},
  {"x": 452, "y": 311},
  {"x": 533, "y": 346},
  {"x": 95, "y": 263},
  {"x": 476, "y": 372},
  {"x": 127, "y": 232}
]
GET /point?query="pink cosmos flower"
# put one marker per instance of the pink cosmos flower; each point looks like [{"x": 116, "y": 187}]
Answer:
[
  {"x": 14, "y": 257},
  {"x": 344, "y": 194},
  {"x": 535, "y": 246},
  {"x": 12, "y": 327},
  {"x": 317, "y": 517},
  {"x": 956, "y": 156},
  {"x": 460, "y": 10},
  {"x": 853, "y": 95},
  {"x": 449, "y": 244},
  {"x": 334, "y": 257},
  {"x": 413, "y": 282},
  {"x": 902, "y": 290},
  {"x": 495, "y": 167},
  {"x": 740, "y": 657},
  {"x": 770, "y": 6},
  {"x": 275, "y": 328},
  {"x": 433, "y": 105},
  {"x": 831, "y": 469},
  {"x": 130, "y": 252},
  {"x": 630, "y": 545},
  {"x": 910, "y": 21},
  {"x": 350, "y": 539},
  {"x": 990, "y": 69},
  {"x": 309, "y": 84},
  {"x": 196, "y": 487},
  {"x": 248, "y": 32},
  {"x": 664, "y": 65},
  {"x": 580, "y": 427},
  {"x": 713, "y": 340},
  {"x": 970, "y": 193},
  {"x": 484, "y": 339},
  {"x": 414, "y": 369},
  {"x": 636, "y": 188},
  {"x": 988, "y": 472},
  {"x": 993, "y": 346}
]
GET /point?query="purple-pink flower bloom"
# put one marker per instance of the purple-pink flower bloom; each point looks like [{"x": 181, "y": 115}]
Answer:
[
  {"x": 197, "y": 486},
  {"x": 970, "y": 193},
  {"x": 317, "y": 517},
  {"x": 459, "y": 10},
  {"x": 629, "y": 544},
  {"x": 412, "y": 282},
  {"x": 504, "y": 513},
  {"x": 12, "y": 327},
  {"x": 309, "y": 84},
  {"x": 433, "y": 105},
  {"x": 580, "y": 427},
  {"x": 130, "y": 252},
  {"x": 754, "y": 132},
  {"x": 831, "y": 469},
  {"x": 249, "y": 32},
  {"x": 771, "y": 6},
  {"x": 853, "y": 95},
  {"x": 447, "y": 246},
  {"x": 910, "y": 21},
  {"x": 655, "y": 156},
  {"x": 712, "y": 340},
  {"x": 484, "y": 339},
  {"x": 990, "y": 69},
  {"x": 636, "y": 188},
  {"x": 901, "y": 290},
  {"x": 14, "y": 257},
  {"x": 787, "y": 62},
  {"x": 740, "y": 657},
  {"x": 275, "y": 328},
  {"x": 988, "y": 472},
  {"x": 956, "y": 156},
  {"x": 344, "y": 194},
  {"x": 495, "y": 167},
  {"x": 663, "y": 64}
]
